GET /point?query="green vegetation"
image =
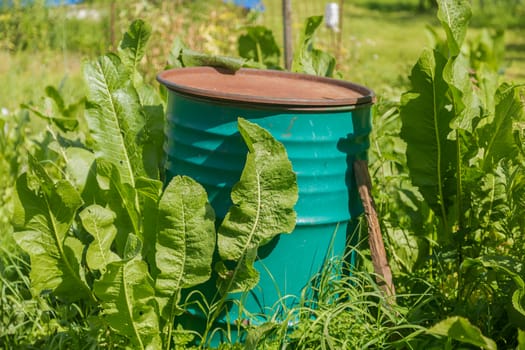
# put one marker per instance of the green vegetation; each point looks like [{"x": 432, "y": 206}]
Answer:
[
  {"x": 88, "y": 233},
  {"x": 387, "y": 36},
  {"x": 100, "y": 230}
]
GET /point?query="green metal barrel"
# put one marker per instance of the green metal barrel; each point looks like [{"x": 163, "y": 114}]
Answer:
[{"x": 324, "y": 125}]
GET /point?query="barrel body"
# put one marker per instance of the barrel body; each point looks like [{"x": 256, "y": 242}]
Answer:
[
  {"x": 324, "y": 126},
  {"x": 203, "y": 142}
]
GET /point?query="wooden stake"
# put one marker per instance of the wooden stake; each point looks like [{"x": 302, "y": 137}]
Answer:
[
  {"x": 112, "y": 15},
  {"x": 375, "y": 239},
  {"x": 287, "y": 33},
  {"x": 340, "y": 33}
]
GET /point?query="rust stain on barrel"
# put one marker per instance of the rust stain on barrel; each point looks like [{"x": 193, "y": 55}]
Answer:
[{"x": 265, "y": 87}]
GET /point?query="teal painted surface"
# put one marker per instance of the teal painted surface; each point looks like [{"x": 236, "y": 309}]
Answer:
[{"x": 203, "y": 142}]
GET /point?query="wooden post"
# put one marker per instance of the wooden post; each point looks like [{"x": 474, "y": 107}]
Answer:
[
  {"x": 287, "y": 34},
  {"x": 375, "y": 239},
  {"x": 112, "y": 15},
  {"x": 340, "y": 33}
]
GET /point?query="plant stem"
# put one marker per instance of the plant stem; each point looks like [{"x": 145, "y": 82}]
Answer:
[
  {"x": 459, "y": 196},
  {"x": 170, "y": 323},
  {"x": 439, "y": 174}
]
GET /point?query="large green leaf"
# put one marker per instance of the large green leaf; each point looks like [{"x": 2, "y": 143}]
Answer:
[
  {"x": 175, "y": 55},
  {"x": 99, "y": 222},
  {"x": 56, "y": 111},
  {"x": 460, "y": 329},
  {"x": 192, "y": 58},
  {"x": 489, "y": 194},
  {"x": 43, "y": 218},
  {"x": 505, "y": 266},
  {"x": 454, "y": 16},
  {"x": 426, "y": 113},
  {"x": 263, "y": 202},
  {"x": 180, "y": 56},
  {"x": 258, "y": 44},
  {"x": 467, "y": 105},
  {"x": 114, "y": 116},
  {"x": 497, "y": 136},
  {"x": 186, "y": 236},
  {"x": 128, "y": 303},
  {"x": 149, "y": 188},
  {"x": 185, "y": 243},
  {"x": 149, "y": 192},
  {"x": 152, "y": 152},
  {"x": 308, "y": 59},
  {"x": 122, "y": 199},
  {"x": 80, "y": 170},
  {"x": 133, "y": 46},
  {"x": 487, "y": 80},
  {"x": 243, "y": 278},
  {"x": 131, "y": 51}
]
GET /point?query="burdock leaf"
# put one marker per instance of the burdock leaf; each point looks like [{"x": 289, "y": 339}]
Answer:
[
  {"x": 99, "y": 222},
  {"x": 43, "y": 219},
  {"x": 192, "y": 58},
  {"x": 426, "y": 114},
  {"x": 122, "y": 199},
  {"x": 467, "y": 105},
  {"x": 114, "y": 116},
  {"x": 133, "y": 45},
  {"x": 131, "y": 51},
  {"x": 308, "y": 59},
  {"x": 80, "y": 171},
  {"x": 460, "y": 329},
  {"x": 243, "y": 278},
  {"x": 454, "y": 16},
  {"x": 259, "y": 45},
  {"x": 128, "y": 303},
  {"x": 497, "y": 137},
  {"x": 186, "y": 237},
  {"x": 263, "y": 202}
]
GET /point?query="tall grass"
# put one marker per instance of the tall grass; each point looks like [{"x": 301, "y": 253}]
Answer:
[{"x": 348, "y": 312}]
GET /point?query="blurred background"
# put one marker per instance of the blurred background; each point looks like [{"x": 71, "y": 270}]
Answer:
[{"x": 43, "y": 42}]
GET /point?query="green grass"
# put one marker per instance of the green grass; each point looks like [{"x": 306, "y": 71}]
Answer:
[
  {"x": 515, "y": 44},
  {"x": 26, "y": 75},
  {"x": 350, "y": 312}
]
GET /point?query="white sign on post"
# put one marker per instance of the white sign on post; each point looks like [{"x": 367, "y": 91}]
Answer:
[{"x": 331, "y": 16}]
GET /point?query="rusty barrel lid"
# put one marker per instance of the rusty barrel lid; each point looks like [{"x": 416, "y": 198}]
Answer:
[{"x": 266, "y": 87}]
